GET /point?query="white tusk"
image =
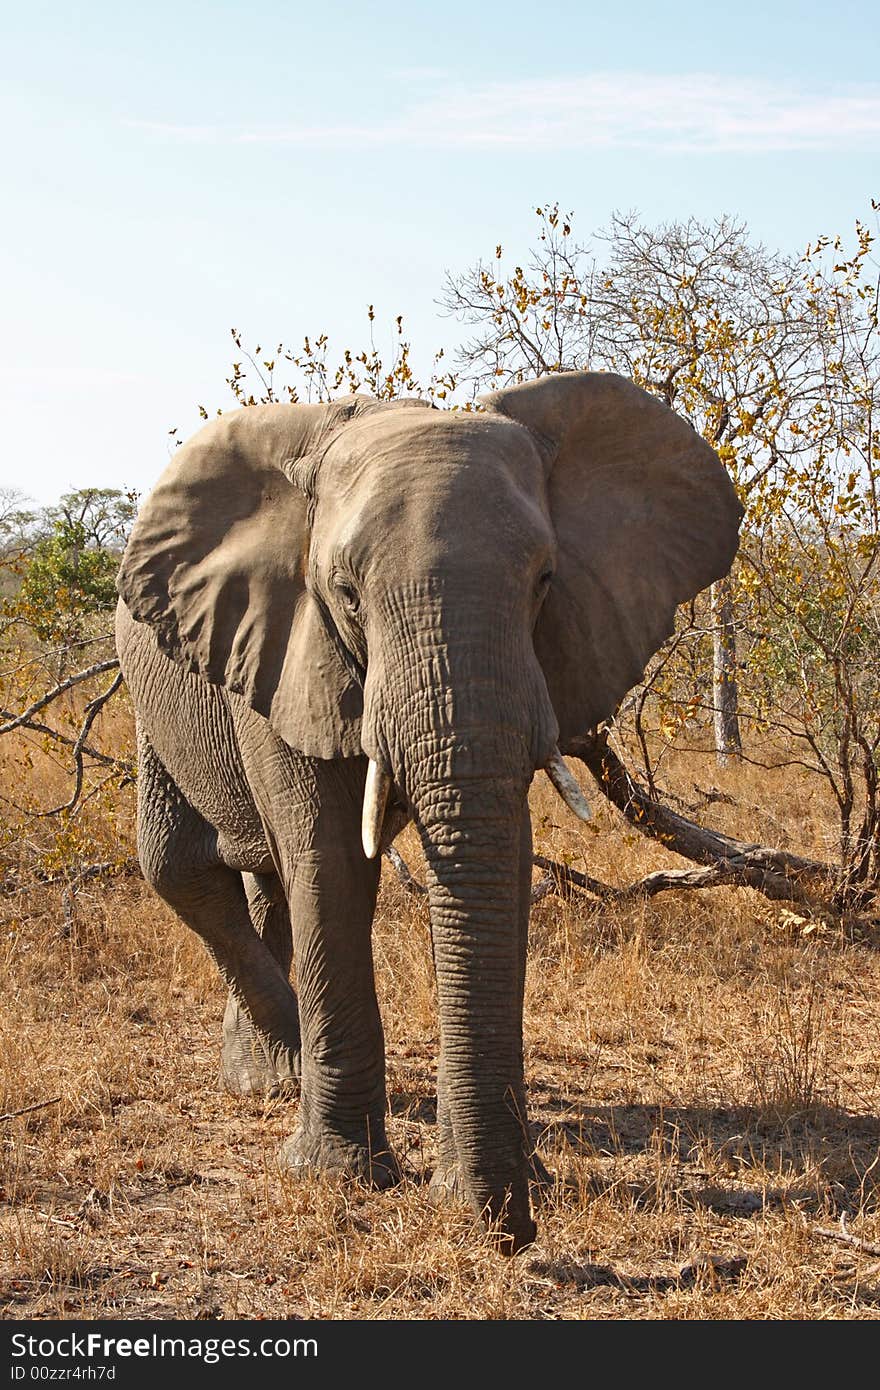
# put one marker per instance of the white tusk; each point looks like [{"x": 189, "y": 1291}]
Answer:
[
  {"x": 567, "y": 787},
  {"x": 376, "y": 793}
]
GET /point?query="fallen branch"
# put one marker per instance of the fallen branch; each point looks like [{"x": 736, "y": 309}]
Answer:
[
  {"x": 846, "y": 1237},
  {"x": 660, "y": 881},
  {"x": 775, "y": 873},
  {"x": 560, "y": 874},
  {"x": 27, "y": 1109}
]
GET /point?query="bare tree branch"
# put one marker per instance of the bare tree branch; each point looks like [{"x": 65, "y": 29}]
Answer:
[
  {"x": 774, "y": 872},
  {"x": 33, "y": 726},
  {"x": 93, "y": 709},
  {"x": 61, "y": 689}
]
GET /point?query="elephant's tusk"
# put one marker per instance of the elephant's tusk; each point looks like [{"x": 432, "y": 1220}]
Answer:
[
  {"x": 567, "y": 787},
  {"x": 376, "y": 793}
]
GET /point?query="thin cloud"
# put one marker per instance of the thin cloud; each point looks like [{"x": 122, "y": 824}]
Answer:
[
  {"x": 703, "y": 113},
  {"x": 193, "y": 134}
]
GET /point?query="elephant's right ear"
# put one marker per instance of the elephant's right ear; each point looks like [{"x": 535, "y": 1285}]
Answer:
[{"x": 216, "y": 567}]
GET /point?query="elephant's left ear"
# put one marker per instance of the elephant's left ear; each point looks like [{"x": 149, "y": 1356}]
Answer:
[{"x": 645, "y": 517}]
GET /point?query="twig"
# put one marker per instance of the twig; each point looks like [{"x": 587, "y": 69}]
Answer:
[
  {"x": 404, "y": 873},
  {"x": 11, "y": 884},
  {"x": 26, "y": 1109},
  {"x": 846, "y": 1237},
  {"x": 61, "y": 689},
  {"x": 34, "y": 727},
  {"x": 93, "y": 708}
]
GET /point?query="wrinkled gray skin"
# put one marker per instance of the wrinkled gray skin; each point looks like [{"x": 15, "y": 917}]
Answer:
[{"x": 449, "y": 594}]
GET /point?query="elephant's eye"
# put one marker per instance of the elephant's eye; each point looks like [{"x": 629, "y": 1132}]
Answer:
[
  {"x": 543, "y": 582},
  {"x": 349, "y": 599}
]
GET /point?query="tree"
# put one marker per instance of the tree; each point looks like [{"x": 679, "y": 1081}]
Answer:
[
  {"x": 309, "y": 374},
  {"x": 103, "y": 516},
  {"x": 722, "y": 330},
  {"x": 59, "y": 565},
  {"x": 17, "y": 521},
  {"x": 811, "y": 572},
  {"x": 68, "y": 572}
]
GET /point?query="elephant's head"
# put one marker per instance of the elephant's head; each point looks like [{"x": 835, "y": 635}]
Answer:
[{"x": 453, "y": 594}]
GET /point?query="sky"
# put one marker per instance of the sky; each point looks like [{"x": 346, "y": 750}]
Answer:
[{"x": 174, "y": 170}]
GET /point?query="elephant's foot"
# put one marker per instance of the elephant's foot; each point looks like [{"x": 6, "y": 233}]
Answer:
[
  {"x": 251, "y": 1066},
  {"x": 305, "y": 1152},
  {"x": 510, "y": 1232},
  {"x": 256, "y": 1072},
  {"x": 447, "y": 1182}
]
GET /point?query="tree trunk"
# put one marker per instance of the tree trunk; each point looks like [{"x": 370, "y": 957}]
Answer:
[{"x": 727, "y": 737}]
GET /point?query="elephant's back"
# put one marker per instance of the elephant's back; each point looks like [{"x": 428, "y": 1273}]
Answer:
[{"x": 191, "y": 727}]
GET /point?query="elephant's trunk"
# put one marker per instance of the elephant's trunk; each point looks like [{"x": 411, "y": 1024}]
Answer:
[
  {"x": 460, "y": 718},
  {"x": 472, "y": 841},
  {"x": 471, "y": 836}
]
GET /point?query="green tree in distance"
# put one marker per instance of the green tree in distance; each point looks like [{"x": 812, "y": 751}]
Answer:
[{"x": 69, "y": 574}]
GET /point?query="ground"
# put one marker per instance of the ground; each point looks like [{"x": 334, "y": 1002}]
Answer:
[{"x": 704, "y": 1084}]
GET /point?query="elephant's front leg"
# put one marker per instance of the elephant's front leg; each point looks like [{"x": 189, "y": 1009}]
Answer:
[{"x": 331, "y": 890}]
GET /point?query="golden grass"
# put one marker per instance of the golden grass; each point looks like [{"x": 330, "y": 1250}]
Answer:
[{"x": 703, "y": 1071}]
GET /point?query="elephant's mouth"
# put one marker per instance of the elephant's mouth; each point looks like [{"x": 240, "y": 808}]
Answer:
[{"x": 379, "y": 791}]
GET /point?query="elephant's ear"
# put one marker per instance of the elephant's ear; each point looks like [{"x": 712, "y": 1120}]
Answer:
[
  {"x": 216, "y": 567},
  {"x": 645, "y": 517}
]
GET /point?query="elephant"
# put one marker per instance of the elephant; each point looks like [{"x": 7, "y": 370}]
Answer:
[{"x": 338, "y": 617}]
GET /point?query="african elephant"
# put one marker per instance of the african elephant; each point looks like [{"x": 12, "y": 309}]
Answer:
[{"x": 335, "y": 617}]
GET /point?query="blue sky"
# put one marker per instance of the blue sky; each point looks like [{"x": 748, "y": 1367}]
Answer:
[{"x": 172, "y": 170}]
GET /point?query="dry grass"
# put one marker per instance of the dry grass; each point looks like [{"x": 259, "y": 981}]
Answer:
[{"x": 704, "y": 1079}]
